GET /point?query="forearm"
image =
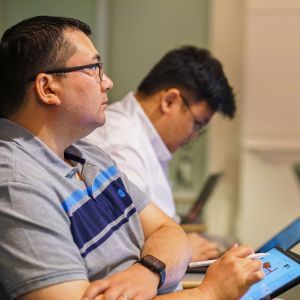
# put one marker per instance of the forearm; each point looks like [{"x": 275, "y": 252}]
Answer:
[
  {"x": 62, "y": 291},
  {"x": 169, "y": 244},
  {"x": 188, "y": 294},
  {"x": 227, "y": 279}
]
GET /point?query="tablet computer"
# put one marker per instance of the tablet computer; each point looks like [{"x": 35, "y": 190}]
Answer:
[
  {"x": 287, "y": 238},
  {"x": 282, "y": 272}
]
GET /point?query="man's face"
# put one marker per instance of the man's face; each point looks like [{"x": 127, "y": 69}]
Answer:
[
  {"x": 83, "y": 95},
  {"x": 187, "y": 123}
]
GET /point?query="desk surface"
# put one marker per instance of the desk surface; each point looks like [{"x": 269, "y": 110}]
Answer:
[
  {"x": 191, "y": 280},
  {"x": 199, "y": 228}
]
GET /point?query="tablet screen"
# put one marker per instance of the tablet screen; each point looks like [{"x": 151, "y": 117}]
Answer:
[{"x": 281, "y": 272}]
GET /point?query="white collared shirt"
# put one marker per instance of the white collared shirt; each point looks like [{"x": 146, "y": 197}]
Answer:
[{"x": 132, "y": 141}]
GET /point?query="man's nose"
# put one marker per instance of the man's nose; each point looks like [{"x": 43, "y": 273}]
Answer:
[{"x": 106, "y": 84}]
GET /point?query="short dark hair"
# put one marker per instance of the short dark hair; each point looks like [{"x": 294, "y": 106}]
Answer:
[
  {"x": 195, "y": 71},
  {"x": 28, "y": 48}
]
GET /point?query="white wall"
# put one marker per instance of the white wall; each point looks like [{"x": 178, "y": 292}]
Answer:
[
  {"x": 270, "y": 136},
  {"x": 102, "y": 31},
  {"x": 258, "y": 43},
  {"x": 222, "y": 149}
]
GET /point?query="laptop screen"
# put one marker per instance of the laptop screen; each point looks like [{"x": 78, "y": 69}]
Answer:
[{"x": 206, "y": 191}]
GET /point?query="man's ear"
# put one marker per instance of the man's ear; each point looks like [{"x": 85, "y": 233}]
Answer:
[
  {"x": 46, "y": 88},
  {"x": 169, "y": 99}
]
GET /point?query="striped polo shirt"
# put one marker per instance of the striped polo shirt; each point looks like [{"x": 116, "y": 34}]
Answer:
[{"x": 56, "y": 228}]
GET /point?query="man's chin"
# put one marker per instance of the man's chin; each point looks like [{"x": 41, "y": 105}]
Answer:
[
  {"x": 185, "y": 143},
  {"x": 98, "y": 124},
  {"x": 174, "y": 148},
  {"x": 102, "y": 121}
]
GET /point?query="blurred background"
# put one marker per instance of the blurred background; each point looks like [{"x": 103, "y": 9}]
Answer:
[{"x": 258, "y": 43}]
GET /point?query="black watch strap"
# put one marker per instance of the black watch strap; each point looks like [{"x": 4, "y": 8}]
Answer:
[{"x": 156, "y": 266}]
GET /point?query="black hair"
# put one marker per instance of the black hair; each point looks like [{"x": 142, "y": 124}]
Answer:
[
  {"x": 196, "y": 72},
  {"x": 28, "y": 48}
]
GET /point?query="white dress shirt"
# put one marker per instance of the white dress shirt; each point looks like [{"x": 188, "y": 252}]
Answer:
[{"x": 132, "y": 141}]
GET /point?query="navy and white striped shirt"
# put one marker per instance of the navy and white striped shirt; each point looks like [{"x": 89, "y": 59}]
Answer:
[{"x": 56, "y": 228}]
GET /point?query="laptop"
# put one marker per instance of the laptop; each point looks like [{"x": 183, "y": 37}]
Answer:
[
  {"x": 209, "y": 186},
  {"x": 282, "y": 272}
]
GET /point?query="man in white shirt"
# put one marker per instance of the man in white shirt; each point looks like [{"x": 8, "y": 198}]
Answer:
[{"x": 172, "y": 105}]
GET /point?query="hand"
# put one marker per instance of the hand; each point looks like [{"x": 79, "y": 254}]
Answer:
[
  {"x": 231, "y": 275},
  {"x": 137, "y": 282},
  {"x": 202, "y": 249}
]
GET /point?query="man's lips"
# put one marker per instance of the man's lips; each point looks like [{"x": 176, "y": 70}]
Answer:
[{"x": 105, "y": 102}]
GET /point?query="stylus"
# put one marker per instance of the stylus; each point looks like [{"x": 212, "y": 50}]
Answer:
[{"x": 205, "y": 263}]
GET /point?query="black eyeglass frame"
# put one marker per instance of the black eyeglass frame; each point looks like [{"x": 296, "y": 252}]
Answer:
[
  {"x": 74, "y": 69},
  {"x": 199, "y": 126}
]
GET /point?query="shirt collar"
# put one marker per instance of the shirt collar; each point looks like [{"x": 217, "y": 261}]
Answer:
[
  {"x": 25, "y": 139},
  {"x": 158, "y": 144}
]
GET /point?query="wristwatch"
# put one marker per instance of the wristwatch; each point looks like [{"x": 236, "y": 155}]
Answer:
[{"x": 156, "y": 266}]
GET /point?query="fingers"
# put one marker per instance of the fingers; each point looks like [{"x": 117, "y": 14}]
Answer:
[
  {"x": 95, "y": 288},
  {"x": 117, "y": 292},
  {"x": 202, "y": 248},
  {"x": 255, "y": 272},
  {"x": 138, "y": 298},
  {"x": 134, "y": 283},
  {"x": 125, "y": 297},
  {"x": 255, "y": 277},
  {"x": 232, "y": 274},
  {"x": 203, "y": 254},
  {"x": 254, "y": 265},
  {"x": 211, "y": 250}
]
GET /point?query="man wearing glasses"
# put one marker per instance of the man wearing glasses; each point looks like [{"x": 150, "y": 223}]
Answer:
[
  {"x": 172, "y": 105},
  {"x": 71, "y": 224}
]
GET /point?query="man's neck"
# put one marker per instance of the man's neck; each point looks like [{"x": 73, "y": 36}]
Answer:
[
  {"x": 150, "y": 105},
  {"x": 56, "y": 140},
  {"x": 152, "y": 109}
]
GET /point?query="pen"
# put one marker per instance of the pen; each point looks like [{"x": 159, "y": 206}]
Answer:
[{"x": 205, "y": 263}]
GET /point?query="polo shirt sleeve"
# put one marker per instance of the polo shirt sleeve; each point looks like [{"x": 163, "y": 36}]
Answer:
[
  {"x": 140, "y": 199},
  {"x": 37, "y": 248}
]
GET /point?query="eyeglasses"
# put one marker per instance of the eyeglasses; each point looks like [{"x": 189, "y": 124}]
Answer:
[
  {"x": 199, "y": 126},
  {"x": 97, "y": 67}
]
